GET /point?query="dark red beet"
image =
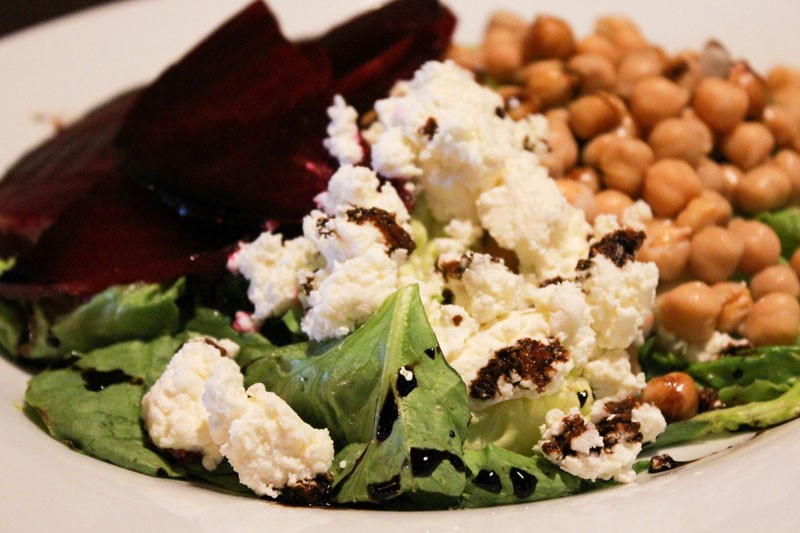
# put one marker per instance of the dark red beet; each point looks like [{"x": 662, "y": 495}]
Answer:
[
  {"x": 118, "y": 233},
  {"x": 231, "y": 134},
  {"x": 55, "y": 174},
  {"x": 235, "y": 129},
  {"x": 370, "y": 52}
]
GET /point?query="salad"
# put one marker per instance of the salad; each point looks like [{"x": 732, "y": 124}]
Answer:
[{"x": 374, "y": 274}]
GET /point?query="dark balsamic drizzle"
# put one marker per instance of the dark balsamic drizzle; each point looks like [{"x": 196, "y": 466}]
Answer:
[
  {"x": 489, "y": 481},
  {"x": 664, "y": 462},
  {"x": 425, "y": 461},
  {"x": 582, "y": 397},
  {"x": 406, "y": 381},
  {"x": 95, "y": 380},
  {"x": 431, "y": 352},
  {"x": 384, "y": 490},
  {"x": 452, "y": 434},
  {"x": 387, "y": 417},
  {"x": 524, "y": 483}
]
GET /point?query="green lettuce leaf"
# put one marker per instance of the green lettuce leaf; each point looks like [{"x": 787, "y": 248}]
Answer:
[
  {"x": 498, "y": 477},
  {"x": 751, "y": 415},
  {"x": 405, "y": 440},
  {"x": 786, "y": 223},
  {"x": 514, "y": 424},
  {"x": 124, "y": 312},
  {"x": 779, "y": 365},
  {"x": 101, "y": 421},
  {"x": 656, "y": 362}
]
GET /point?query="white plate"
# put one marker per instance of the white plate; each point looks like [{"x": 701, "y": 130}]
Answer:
[{"x": 61, "y": 69}]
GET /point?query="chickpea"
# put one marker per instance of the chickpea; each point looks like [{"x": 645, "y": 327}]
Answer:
[
  {"x": 548, "y": 38},
  {"x": 599, "y": 44},
  {"x": 563, "y": 149},
  {"x": 611, "y": 202},
  {"x": 754, "y": 85},
  {"x": 690, "y": 311},
  {"x": 714, "y": 254},
  {"x": 675, "y": 395},
  {"x": 628, "y": 127},
  {"x": 623, "y": 164},
  {"x": 667, "y": 246},
  {"x": 684, "y": 70},
  {"x": 720, "y": 103},
  {"x": 781, "y": 123},
  {"x": 622, "y": 32},
  {"x": 470, "y": 58},
  {"x": 795, "y": 262},
  {"x": 586, "y": 176},
  {"x": 774, "y": 319},
  {"x": 595, "y": 72},
  {"x": 656, "y": 98},
  {"x": 788, "y": 97},
  {"x": 669, "y": 185},
  {"x": 789, "y": 161},
  {"x": 502, "y": 45},
  {"x": 592, "y": 115},
  {"x": 748, "y": 144},
  {"x": 684, "y": 138},
  {"x": 736, "y": 305},
  {"x": 780, "y": 76},
  {"x": 733, "y": 175},
  {"x": 548, "y": 81},
  {"x": 708, "y": 209},
  {"x": 578, "y": 195},
  {"x": 594, "y": 149},
  {"x": 715, "y": 178},
  {"x": 762, "y": 247},
  {"x": 637, "y": 66},
  {"x": 521, "y": 109},
  {"x": 775, "y": 278},
  {"x": 764, "y": 188}
]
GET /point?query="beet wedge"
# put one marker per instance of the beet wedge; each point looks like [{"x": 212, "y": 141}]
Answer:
[
  {"x": 234, "y": 130},
  {"x": 118, "y": 233},
  {"x": 57, "y": 173}
]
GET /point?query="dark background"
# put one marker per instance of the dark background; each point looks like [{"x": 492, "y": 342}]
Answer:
[{"x": 18, "y": 14}]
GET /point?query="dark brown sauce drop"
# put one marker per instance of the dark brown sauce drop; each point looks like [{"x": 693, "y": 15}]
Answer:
[
  {"x": 406, "y": 381},
  {"x": 384, "y": 490},
  {"x": 664, "y": 462},
  {"x": 582, "y": 397},
  {"x": 95, "y": 380},
  {"x": 524, "y": 483},
  {"x": 489, "y": 481},
  {"x": 425, "y": 461},
  {"x": 387, "y": 417},
  {"x": 431, "y": 352}
]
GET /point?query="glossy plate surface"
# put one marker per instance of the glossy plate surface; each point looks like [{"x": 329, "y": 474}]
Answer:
[{"x": 60, "y": 69}]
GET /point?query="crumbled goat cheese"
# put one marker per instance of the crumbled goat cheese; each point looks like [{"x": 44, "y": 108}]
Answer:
[
  {"x": 637, "y": 215},
  {"x": 610, "y": 374},
  {"x": 528, "y": 214},
  {"x": 569, "y": 316},
  {"x": 459, "y": 236},
  {"x": 343, "y": 141},
  {"x": 621, "y": 299},
  {"x": 482, "y": 348},
  {"x": 352, "y": 186},
  {"x": 452, "y": 326},
  {"x": 606, "y": 445},
  {"x": 268, "y": 444},
  {"x": 172, "y": 409},
  {"x": 718, "y": 344},
  {"x": 452, "y": 134},
  {"x": 482, "y": 285},
  {"x": 271, "y": 266},
  {"x": 347, "y": 296}
]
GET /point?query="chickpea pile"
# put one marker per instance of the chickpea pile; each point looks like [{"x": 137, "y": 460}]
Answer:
[{"x": 700, "y": 137}]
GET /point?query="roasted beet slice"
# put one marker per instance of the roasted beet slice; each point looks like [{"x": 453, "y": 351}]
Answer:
[
  {"x": 60, "y": 171},
  {"x": 370, "y": 52},
  {"x": 235, "y": 128},
  {"x": 118, "y": 233}
]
